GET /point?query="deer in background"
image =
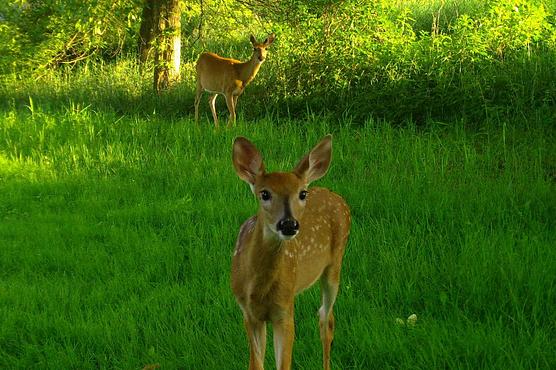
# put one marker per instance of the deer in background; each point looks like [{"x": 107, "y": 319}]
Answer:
[
  {"x": 228, "y": 77},
  {"x": 297, "y": 237}
]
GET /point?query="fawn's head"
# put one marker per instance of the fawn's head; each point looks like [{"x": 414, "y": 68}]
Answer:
[
  {"x": 259, "y": 48},
  {"x": 281, "y": 195}
]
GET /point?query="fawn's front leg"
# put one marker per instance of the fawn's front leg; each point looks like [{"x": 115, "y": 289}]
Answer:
[
  {"x": 256, "y": 332},
  {"x": 283, "y": 340}
]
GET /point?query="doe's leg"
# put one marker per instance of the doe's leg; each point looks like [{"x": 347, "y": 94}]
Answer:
[
  {"x": 212, "y": 103},
  {"x": 235, "y": 101},
  {"x": 231, "y": 108}
]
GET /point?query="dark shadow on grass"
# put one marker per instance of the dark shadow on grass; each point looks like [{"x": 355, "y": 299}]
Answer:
[{"x": 511, "y": 91}]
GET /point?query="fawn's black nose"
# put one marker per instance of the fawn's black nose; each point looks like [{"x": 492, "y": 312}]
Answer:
[{"x": 288, "y": 226}]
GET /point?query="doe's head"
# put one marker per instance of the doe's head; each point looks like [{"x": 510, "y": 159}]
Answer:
[
  {"x": 281, "y": 195},
  {"x": 259, "y": 48}
]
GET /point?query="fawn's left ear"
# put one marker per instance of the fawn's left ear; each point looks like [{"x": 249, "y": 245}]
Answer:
[
  {"x": 252, "y": 39},
  {"x": 316, "y": 162},
  {"x": 248, "y": 162}
]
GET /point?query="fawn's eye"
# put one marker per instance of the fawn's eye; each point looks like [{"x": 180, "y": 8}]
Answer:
[
  {"x": 265, "y": 195},
  {"x": 303, "y": 195}
]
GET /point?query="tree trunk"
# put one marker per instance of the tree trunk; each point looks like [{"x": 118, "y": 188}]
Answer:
[
  {"x": 168, "y": 43},
  {"x": 146, "y": 32}
]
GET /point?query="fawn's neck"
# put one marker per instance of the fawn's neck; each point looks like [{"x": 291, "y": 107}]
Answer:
[{"x": 266, "y": 256}]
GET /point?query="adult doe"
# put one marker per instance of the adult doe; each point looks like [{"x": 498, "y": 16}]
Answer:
[
  {"x": 228, "y": 77},
  {"x": 297, "y": 237}
]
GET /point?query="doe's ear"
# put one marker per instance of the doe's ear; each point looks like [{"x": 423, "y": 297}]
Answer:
[
  {"x": 252, "y": 39},
  {"x": 248, "y": 162},
  {"x": 316, "y": 162},
  {"x": 270, "y": 39}
]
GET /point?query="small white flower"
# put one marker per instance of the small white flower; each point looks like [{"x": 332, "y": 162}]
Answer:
[{"x": 411, "y": 320}]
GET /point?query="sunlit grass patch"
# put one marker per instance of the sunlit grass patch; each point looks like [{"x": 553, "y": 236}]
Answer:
[
  {"x": 117, "y": 226},
  {"x": 439, "y": 13}
]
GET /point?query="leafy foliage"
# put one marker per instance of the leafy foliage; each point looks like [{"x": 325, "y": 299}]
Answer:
[
  {"x": 395, "y": 59},
  {"x": 44, "y": 33},
  {"x": 366, "y": 54}
]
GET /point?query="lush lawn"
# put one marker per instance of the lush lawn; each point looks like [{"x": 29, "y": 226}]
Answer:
[
  {"x": 119, "y": 213},
  {"x": 117, "y": 228}
]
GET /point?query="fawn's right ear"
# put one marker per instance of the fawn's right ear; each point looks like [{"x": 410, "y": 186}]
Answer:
[{"x": 248, "y": 162}]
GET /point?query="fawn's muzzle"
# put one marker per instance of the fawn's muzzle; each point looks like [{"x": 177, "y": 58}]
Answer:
[{"x": 288, "y": 226}]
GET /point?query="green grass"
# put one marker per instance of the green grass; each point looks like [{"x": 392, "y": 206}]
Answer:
[
  {"x": 118, "y": 217},
  {"x": 119, "y": 213}
]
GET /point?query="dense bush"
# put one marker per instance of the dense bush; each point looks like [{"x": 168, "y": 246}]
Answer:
[
  {"x": 39, "y": 34},
  {"x": 369, "y": 57}
]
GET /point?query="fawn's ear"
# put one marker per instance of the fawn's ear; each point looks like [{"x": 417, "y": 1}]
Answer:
[
  {"x": 316, "y": 162},
  {"x": 269, "y": 40},
  {"x": 248, "y": 162},
  {"x": 252, "y": 39}
]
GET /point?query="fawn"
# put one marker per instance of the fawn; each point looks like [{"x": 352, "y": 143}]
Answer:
[{"x": 297, "y": 237}]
